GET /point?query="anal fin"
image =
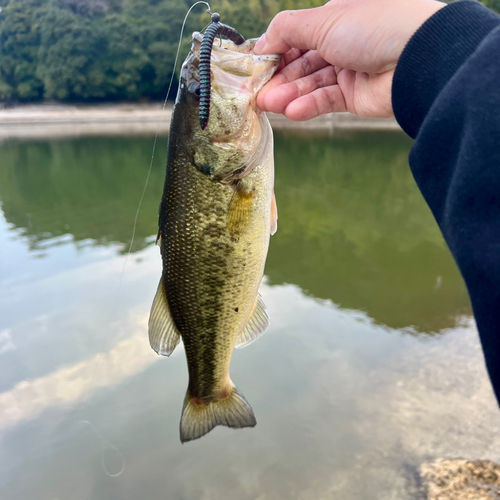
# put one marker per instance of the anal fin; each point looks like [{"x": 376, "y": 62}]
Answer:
[
  {"x": 163, "y": 334},
  {"x": 257, "y": 324}
]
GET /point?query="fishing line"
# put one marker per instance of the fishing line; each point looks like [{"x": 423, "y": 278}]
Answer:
[
  {"x": 113, "y": 309},
  {"x": 106, "y": 446},
  {"x": 156, "y": 137},
  {"x": 150, "y": 166}
]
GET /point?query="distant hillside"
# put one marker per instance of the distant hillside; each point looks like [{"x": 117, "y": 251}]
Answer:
[
  {"x": 90, "y": 50},
  {"x": 109, "y": 50}
]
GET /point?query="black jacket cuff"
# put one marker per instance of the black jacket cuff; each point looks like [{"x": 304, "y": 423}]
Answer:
[{"x": 433, "y": 55}]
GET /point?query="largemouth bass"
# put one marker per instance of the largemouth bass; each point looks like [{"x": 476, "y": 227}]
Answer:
[{"x": 216, "y": 216}]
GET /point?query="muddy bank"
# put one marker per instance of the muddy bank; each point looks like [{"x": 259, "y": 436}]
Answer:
[{"x": 55, "y": 120}]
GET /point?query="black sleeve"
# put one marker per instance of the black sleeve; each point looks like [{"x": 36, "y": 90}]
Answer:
[{"x": 446, "y": 95}]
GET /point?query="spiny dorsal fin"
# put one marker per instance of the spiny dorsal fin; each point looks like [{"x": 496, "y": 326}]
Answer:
[
  {"x": 274, "y": 215},
  {"x": 198, "y": 418},
  {"x": 257, "y": 324},
  {"x": 163, "y": 334}
]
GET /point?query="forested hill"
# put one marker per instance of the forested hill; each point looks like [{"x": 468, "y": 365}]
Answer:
[{"x": 109, "y": 50}]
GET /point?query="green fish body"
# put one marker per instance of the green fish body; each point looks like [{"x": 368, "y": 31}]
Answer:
[{"x": 215, "y": 220}]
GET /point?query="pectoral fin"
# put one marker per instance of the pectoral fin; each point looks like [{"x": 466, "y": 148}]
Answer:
[
  {"x": 240, "y": 210},
  {"x": 274, "y": 215},
  {"x": 163, "y": 334},
  {"x": 257, "y": 324}
]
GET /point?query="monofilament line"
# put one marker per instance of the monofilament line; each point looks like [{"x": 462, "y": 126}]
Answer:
[
  {"x": 112, "y": 312},
  {"x": 113, "y": 309},
  {"x": 156, "y": 139}
]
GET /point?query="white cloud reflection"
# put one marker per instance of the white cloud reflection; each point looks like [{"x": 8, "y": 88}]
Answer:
[
  {"x": 346, "y": 408},
  {"x": 70, "y": 384},
  {"x": 6, "y": 343}
]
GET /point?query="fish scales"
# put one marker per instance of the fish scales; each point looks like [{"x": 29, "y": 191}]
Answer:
[
  {"x": 214, "y": 228},
  {"x": 200, "y": 257}
]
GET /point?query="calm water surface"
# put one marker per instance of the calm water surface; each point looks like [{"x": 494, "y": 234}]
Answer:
[{"x": 371, "y": 365}]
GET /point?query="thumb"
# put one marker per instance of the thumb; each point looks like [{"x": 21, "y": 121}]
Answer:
[{"x": 298, "y": 29}]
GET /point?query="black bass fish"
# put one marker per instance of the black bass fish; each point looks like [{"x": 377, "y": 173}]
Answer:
[{"x": 216, "y": 216}]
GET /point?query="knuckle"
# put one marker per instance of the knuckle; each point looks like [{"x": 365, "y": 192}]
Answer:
[
  {"x": 318, "y": 80},
  {"x": 280, "y": 20},
  {"x": 306, "y": 65}
]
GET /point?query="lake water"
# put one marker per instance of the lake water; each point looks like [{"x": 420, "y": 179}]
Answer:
[{"x": 371, "y": 365}]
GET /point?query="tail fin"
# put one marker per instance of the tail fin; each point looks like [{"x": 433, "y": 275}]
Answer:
[{"x": 200, "y": 418}]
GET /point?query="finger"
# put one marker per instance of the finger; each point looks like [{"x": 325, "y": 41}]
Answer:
[
  {"x": 289, "y": 57},
  {"x": 292, "y": 55},
  {"x": 299, "y": 65},
  {"x": 278, "y": 99},
  {"x": 321, "y": 101},
  {"x": 299, "y": 29},
  {"x": 309, "y": 62},
  {"x": 276, "y": 81}
]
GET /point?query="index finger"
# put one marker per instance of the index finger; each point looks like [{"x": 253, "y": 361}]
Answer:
[{"x": 299, "y": 29}]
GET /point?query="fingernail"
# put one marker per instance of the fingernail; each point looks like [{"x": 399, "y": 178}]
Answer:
[{"x": 260, "y": 45}]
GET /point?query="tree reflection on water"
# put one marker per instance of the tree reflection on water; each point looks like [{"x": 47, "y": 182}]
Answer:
[{"x": 353, "y": 227}]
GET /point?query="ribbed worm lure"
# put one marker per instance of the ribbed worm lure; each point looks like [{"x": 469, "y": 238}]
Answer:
[{"x": 215, "y": 28}]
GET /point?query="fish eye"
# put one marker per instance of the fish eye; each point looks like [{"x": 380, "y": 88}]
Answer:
[{"x": 194, "y": 89}]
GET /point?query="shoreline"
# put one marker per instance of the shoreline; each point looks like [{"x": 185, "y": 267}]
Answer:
[{"x": 61, "y": 120}]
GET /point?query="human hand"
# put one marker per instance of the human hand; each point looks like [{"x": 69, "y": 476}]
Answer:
[{"x": 339, "y": 57}]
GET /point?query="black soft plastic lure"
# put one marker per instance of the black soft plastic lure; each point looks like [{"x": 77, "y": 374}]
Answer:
[{"x": 215, "y": 28}]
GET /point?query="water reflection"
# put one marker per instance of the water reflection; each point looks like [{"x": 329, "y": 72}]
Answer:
[
  {"x": 347, "y": 407},
  {"x": 343, "y": 410},
  {"x": 353, "y": 227},
  {"x": 86, "y": 187}
]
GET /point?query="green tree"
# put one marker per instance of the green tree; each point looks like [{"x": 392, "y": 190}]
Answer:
[
  {"x": 19, "y": 44},
  {"x": 69, "y": 48},
  {"x": 87, "y": 50}
]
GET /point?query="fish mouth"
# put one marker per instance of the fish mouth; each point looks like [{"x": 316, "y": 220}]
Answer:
[
  {"x": 221, "y": 44},
  {"x": 231, "y": 141},
  {"x": 238, "y": 74},
  {"x": 239, "y": 61}
]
